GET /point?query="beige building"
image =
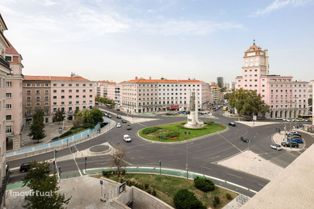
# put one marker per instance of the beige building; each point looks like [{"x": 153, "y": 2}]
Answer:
[
  {"x": 153, "y": 95},
  {"x": 108, "y": 89},
  {"x": 216, "y": 96},
  {"x": 4, "y": 72},
  {"x": 50, "y": 93}
]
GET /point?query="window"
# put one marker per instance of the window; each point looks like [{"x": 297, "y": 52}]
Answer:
[
  {"x": 54, "y": 91},
  {"x": 8, "y": 106},
  {"x": 28, "y": 92},
  {"x": 54, "y": 97},
  {"x": 8, "y": 117},
  {"x": 37, "y": 91},
  {"x": 8, "y": 58},
  {"x": 8, "y": 129},
  {"x": 9, "y": 84},
  {"x": 54, "y": 84},
  {"x": 8, "y": 95}
]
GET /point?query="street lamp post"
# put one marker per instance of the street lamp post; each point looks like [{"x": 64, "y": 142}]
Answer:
[{"x": 85, "y": 163}]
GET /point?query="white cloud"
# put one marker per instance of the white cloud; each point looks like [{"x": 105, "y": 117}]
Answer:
[{"x": 279, "y": 4}]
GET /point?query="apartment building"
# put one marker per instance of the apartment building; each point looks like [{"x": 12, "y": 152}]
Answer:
[
  {"x": 4, "y": 72},
  {"x": 286, "y": 97},
  {"x": 50, "y": 93},
  {"x": 216, "y": 96},
  {"x": 152, "y": 95},
  {"x": 109, "y": 89},
  {"x": 14, "y": 114}
]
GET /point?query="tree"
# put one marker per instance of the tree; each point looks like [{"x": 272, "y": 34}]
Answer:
[
  {"x": 118, "y": 160},
  {"x": 204, "y": 184},
  {"x": 45, "y": 189},
  {"x": 106, "y": 101},
  {"x": 88, "y": 118},
  {"x": 184, "y": 199},
  {"x": 59, "y": 116},
  {"x": 37, "y": 128},
  {"x": 247, "y": 102}
]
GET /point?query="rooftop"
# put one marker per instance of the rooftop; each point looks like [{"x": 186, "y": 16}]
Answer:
[
  {"x": 54, "y": 78},
  {"x": 292, "y": 188},
  {"x": 162, "y": 80}
]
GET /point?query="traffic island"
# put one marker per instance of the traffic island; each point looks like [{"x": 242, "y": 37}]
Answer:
[{"x": 176, "y": 132}]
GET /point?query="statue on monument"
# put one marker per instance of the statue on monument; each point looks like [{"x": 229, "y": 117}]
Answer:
[
  {"x": 192, "y": 101},
  {"x": 192, "y": 120}
]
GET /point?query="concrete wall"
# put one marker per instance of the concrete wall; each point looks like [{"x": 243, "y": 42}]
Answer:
[{"x": 142, "y": 200}]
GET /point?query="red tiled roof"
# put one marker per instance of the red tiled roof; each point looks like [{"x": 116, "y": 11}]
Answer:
[
  {"x": 54, "y": 78},
  {"x": 106, "y": 81},
  {"x": 162, "y": 81}
]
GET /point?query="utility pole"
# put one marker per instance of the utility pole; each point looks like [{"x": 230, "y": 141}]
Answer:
[
  {"x": 159, "y": 167},
  {"x": 85, "y": 163}
]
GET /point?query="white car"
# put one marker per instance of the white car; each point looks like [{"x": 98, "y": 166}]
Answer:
[
  {"x": 118, "y": 125},
  {"x": 127, "y": 138},
  {"x": 276, "y": 147}
]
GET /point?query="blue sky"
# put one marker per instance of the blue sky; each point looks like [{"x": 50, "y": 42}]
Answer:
[{"x": 121, "y": 39}]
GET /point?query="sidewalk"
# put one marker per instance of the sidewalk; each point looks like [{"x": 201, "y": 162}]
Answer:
[{"x": 51, "y": 131}]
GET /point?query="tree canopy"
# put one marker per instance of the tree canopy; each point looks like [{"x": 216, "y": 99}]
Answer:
[
  {"x": 88, "y": 118},
  {"x": 37, "y": 128},
  {"x": 106, "y": 101},
  {"x": 247, "y": 102},
  {"x": 45, "y": 188},
  {"x": 59, "y": 115}
]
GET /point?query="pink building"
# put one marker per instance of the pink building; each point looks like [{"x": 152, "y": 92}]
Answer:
[
  {"x": 50, "y": 93},
  {"x": 286, "y": 97},
  {"x": 109, "y": 89}
]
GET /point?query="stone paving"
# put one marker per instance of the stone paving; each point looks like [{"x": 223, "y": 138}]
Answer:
[
  {"x": 252, "y": 163},
  {"x": 257, "y": 123},
  {"x": 51, "y": 130}
]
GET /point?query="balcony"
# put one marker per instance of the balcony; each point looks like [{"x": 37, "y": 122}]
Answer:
[{"x": 4, "y": 63}]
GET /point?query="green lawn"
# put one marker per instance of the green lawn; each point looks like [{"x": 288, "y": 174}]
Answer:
[
  {"x": 167, "y": 186},
  {"x": 173, "y": 132}
]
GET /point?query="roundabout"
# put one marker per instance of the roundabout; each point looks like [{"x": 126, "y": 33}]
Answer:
[{"x": 176, "y": 132}]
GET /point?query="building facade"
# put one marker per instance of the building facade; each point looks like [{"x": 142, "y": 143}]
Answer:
[
  {"x": 153, "y": 95},
  {"x": 286, "y": 97},
  {"x": 51, "y": 93},
  {"x": 14, "y": 114},
  {"x": 4, "y": 72},
  {"x": 220, "y": 82},
  {"x": 216, "y": 95}
]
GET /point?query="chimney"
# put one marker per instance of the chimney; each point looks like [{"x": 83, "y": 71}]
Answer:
[
  {"x": 150, "y": 78},
  {"x": 136, "y": 77}
]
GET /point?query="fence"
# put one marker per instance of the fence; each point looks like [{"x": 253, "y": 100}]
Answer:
[{"x": 57, "y": 145}]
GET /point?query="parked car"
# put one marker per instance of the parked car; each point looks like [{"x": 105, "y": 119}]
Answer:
[
  {"x": 296, "y": 140},
  {"x": 276, "y": 147},
  {"x": 127, "y": 138},
  {"x": 294, "y": 133},
  {"x": 109, "y": 116},
  {"x": 246, "y": 140},
  {"x": 25, "y": 167},
  {"x": 290, "y": 144},
  {"x": 128, "y": 127},
  {"x": 105, "y": 114},
  {"x": 124, "y": 121},
  {"x": 119, "y": 116},
  {"x": 118, "y": 125},
  {"x": 103, "y": 124},
  {"x": 232, "y": 124}
]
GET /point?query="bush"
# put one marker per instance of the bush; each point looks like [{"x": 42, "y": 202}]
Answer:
[
  {"x": 150, "y": 130},
  {"x": 208, "y": 122},
  {"x": 184, "y": 199},
  {"x": 172, "y": 134},
  {"x": 216, "y": 201},
  {"x": 204, "y": 184},
  {"x": 228, "y": 196},
  {"x": 107, "y": 173}
]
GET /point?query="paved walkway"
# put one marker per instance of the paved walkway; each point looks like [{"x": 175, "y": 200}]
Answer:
[
  {"x": 51, "y": 130},
  {"x": 257, "y": 123},
  {"x": 252, "y": 163}
]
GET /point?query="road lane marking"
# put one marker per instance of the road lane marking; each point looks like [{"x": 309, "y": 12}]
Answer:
[
  {"x": 230, "y": 142},
  {"x": 78, "y": 168}
]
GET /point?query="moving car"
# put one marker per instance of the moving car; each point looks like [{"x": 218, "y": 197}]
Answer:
[
  {"x": 232, "y": 124},
  {"x": 127, "y": 138},
  {"x": 246, "y": 140},
  {"x": 25, "y": 167},
  {"x": 276, "y": 147},
  {"x": 290, "y": 144},
  {"x": 128, "y": 127},
  {"x": 118, "y": 125}
]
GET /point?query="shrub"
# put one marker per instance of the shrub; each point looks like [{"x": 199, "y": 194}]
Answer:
[
  {"x": 107, "y": 173},
  {"x": 208, "y": 122},
  {"x": 150, "y": 130},
  {"x": 184, "y": 199},
  {"x": 216, "y": 201},
  {"x": 204, "y": 184},
  {"x": 172, "y": 134},
  {"x": 228, "y": 196}
]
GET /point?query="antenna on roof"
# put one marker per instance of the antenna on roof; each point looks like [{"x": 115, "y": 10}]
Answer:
[
  {"x": 72, "y": 74},
  {"x": 253, "y": 41}
]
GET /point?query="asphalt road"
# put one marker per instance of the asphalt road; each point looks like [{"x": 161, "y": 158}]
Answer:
[{"x": 198, "y": 156}]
